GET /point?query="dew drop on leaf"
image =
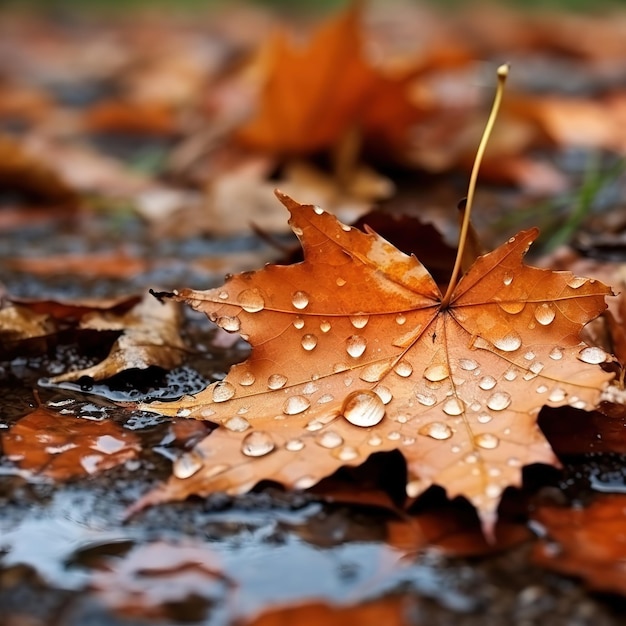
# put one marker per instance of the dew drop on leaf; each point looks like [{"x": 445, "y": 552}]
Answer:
[
  {"x": 247, "y": 379},
  {"x": 499, "y": 401},
  {"x": 509, "y": 343},
  {"x": 346, "y": 453},
  {"x": 300, "y": 300},
  {"x": 437, "y": 372},
  {"x": 452, "y": 406},
  {"x": 384, "y": 393},
  {"x": 513, "y": 307},
  {"x": 187, "y": 465},
  {"x": 295, "y": 404},
  {"x": 575, "y": 282},
  {"x": 436, "y": 430},
  {"x": 556, "y": 354},
  {"x": 359, "y": 320},
  {"x": 223, "y": 391},
  {"x": 298, "y": 323},
  {"x": 329, "y": 439},
  {"x": 251, "y": 300},
  {"x": 508, "y": 279},
  {"x": 309, "y": 342},
  {"x": 228, "y": 323},
  {"x": 484, "y": 418},
  {"x": 304, "y": 482},
  {"x": 237, "y": 424},
  {"x": 557, "y": 395},
  {"x": 468, "y": 365},
  {"x": 325, "y": 326},
  {"x": 592, "y": 355},
  {"x": 487, "y": 441},
  {"x": 294, "y": 445},
  {"x": 276, "y": 381},
  {"x": 355, "y": 346},
  {"x": 374, "y": 441},
  {"x": 426, "y": 399},
  {"x": 257, "y": 443},
  {"x": 400, "y": 319},
  {"x": 545, "y": 314},
  {"x": 403, "y": 368},
  {"x": 487, "y": 383},
  {"x": 363, "y": 408}
]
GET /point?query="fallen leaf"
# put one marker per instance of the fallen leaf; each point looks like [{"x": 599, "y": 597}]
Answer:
[
  {"x": 589, "y": 542},
  {"x": 62, "y": 447},
  {"x": 353, "y": 353},
  {"x": 131, "y": 118}
]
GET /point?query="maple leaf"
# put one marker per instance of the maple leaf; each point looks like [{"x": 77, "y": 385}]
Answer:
[{"x": 354, "y": 353}]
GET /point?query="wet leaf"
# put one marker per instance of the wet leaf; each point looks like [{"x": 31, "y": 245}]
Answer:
[
  {"x": 353, "y": 353},
  {"x": 588, "y": 542},
  {"x": 62, "y": 446}
]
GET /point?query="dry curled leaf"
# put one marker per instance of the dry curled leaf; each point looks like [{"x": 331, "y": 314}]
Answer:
[{"x": 354, "y": 353}]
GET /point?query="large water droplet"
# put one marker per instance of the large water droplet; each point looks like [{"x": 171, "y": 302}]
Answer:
[
  {"x": 329, "y": 439},
  {"x": 295, "y": 404},
  {"x": 436, "y": 430},
  {"x": 512, "y": 306},
  {"x": 403, "y": 368},
  {"x": 276, "y": 381},
  {"x": 556, "y": 354},
  {"x": 384, "y": 393},
  {"x": 187, "y": 465},
  {"x": 300, "y": 300},
  {"x": 325, "y": 326},
  {"x": 468, "y": 365},
  {"x": 309, "y": 342},
  {"x": 436, "y": 372},
  {"x": 360, "y": 320},
  {"x": 509, "y": 343},
  {"x": 363, "y": 408},
  {"x": 223, "y": 391},
  {"x": 257, "y": 443},
  {"x": 592, "y": 355},
  {"x": 298, "y": 323},
  {"x": 486, "y": 441},
  {"x": 453, "y": 406},
  {"x": 251, "y": 300},
  {"x": 575, "y": 282},
  {"x": 229, "y": 324},
  {"x": 237, "y": 424},
  {"x": 355, "y": 346},
  {"x": 294, "y": 445},
  {"x": 499, "y": 401},
  {"x": 545, "y": 314},
  {"x": 374, "y": 372},
  {"x": 487, "y": 383},
  {"x": 426, "y": 399},
  {"x": 247, "y": 379}
]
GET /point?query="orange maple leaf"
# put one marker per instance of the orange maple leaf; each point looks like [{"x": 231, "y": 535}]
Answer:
[
  {"x": 314, "y": 96},
  {"x": 354, "y": 353}
]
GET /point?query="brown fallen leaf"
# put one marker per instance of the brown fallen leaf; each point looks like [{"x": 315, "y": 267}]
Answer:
[
  {"x": 354, "y": 352},
  {"x": 589, "y": 542},
  {"x": 150, "y": 337},
  {"x": 131, "y": 118},
  {"x": 62, "y": 447}
]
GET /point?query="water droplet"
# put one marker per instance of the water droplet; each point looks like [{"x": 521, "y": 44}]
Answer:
[
  {"x": 223, "y": 295},
  {"x": 403, "y": 368},
  {"x": 347, "y": 381},
  {"x": 468, "y": 365},
  {"x": 592, "y": 355},
  {"x": 187, "y": 465},
  {"x": 340, "y": 282},
  {"x": 487, "y": 383},
  {"x": 438, "y": 372},
  {"x": 251, "y": 300},
  {"x": 487, "y": 441},
  {"x": 324, "y": 326},
  {"x": 400, "y": 319},
  {"x": 493, "y": 491},
  {"x": 300, "y": 300},
  {"x": 339, "y": 367},
  {"x": 329, "y": 439},
  {"x": 575, "y": 282},
  {"x": 414, "y": 488},
  {"x": 512, "y": 306},
  {"x": 499, "y": 401},
  {"x": 346, "y": 453},
  {"x": 310, "y": 388},
  {"x": 402, "y": 419},
  {"x": 426, "y": 399},
  {"x": 530, "y": 355},
  {"x": 455, "y": 449},
  {"x": 295, "y": 404},
  {"x": 545, "y": 314},
  {"x": 510, "y": 374},
  {"x": 471, "y": 458},
  {"x": 305, "y": 482},
  {"x": 476, "y": 406},
  {"x": 374, "y": 372},
  {"x": 318, "y": 210},
  {"x": 276, "y": 381},
  {"x": 436, "y": 430},
  {"x": 346, "y": 228},
  {"x": 556, "y": 354},
  {"x": 247, "y": 379},
  {"x": 309, "y": 342},
  {"x": 294, "y": 445},
  {"x": 297, "y": 230},
  {"x": 509, "y": 343},
  {"x": 384, "y": 394},
  {"x": 363, "y": 408},
  {"x": 229, "y": 324},
  {"x": 298, "y": 323},
  {"x": 513, "y": 461},
  {"x": 508, "y": 279},
  {"x": 394, "y": 435},
  {"x": 257, "y": 443},
  {"x": 484, "y": 418},
  {"x": 359, "y": 320},
  {"x": 541, "y": 389},
  {"x": 557, "y": 395},
  {"x": 237, "y": 424},
  {"x": 374, "y": 440},
  {"x": 223, "y": 391},
  {"x": 512, "y": 240},
  {"x": 535, "y": 367},
  {"x": 314, "y": 425},
  {"x": 327, "y": 397},
  {"x": 453, "y": 406},
  {"x": 355, "y": 346}
]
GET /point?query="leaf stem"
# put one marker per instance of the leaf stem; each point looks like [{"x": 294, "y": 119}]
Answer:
[{"x": 503, "y": 72}]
